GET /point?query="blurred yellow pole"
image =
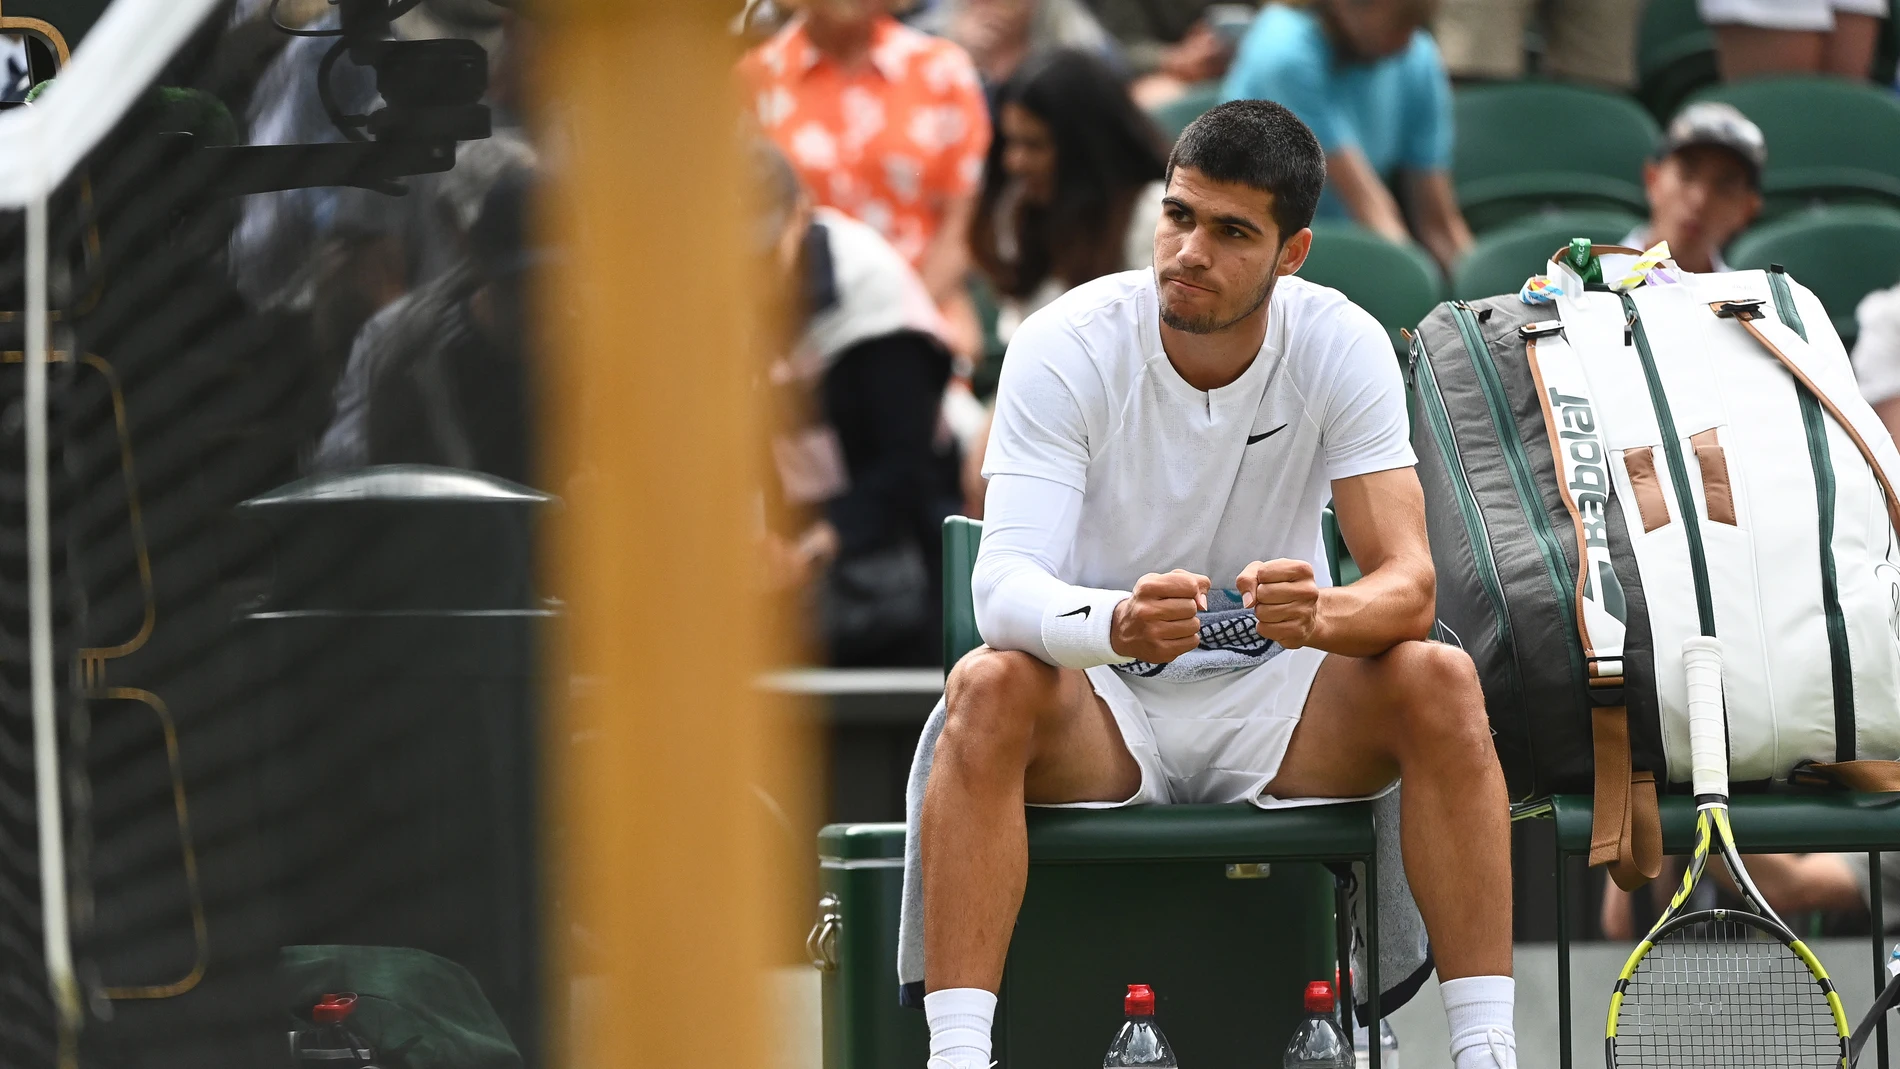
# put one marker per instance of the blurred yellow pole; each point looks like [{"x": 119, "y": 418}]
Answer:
[{"x": 659, "y": 887}]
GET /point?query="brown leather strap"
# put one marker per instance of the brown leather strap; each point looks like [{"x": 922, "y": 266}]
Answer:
[
  {"x": 1650, "y": 503},
  {"x": 1715, "y": 484},
  {"x": 1867, "y": 776},
  {"x": 1625, "y": 825},
  {"x": 1880, "y": 474}
]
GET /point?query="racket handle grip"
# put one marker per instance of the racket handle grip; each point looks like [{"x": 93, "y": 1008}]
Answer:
[{"x": 1708, "y": 737}]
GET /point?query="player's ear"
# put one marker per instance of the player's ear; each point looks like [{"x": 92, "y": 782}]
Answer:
[{"x": 1293, "y": 252}]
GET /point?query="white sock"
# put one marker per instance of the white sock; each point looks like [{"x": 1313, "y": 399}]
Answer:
[
  {"x": 1478, "y": 1009},
  {"x": 960, "y": 1020}
]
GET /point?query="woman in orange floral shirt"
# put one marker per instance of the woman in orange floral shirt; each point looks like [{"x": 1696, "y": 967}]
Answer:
[{"x": 883, "y": 123}]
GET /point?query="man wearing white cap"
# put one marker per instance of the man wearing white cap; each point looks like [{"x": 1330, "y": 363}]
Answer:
[{"x": 1704, "y": 185}]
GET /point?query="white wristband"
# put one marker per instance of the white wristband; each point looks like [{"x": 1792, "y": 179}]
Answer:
[{"x": 1077, "y": 624}]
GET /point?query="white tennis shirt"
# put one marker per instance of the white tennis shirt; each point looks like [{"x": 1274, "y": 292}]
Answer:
[{"x": 1106, "y": 465}]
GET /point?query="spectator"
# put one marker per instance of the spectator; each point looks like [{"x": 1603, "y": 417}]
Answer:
[
  {"x": 1704, "y": 185},
  {"x": 1172, "y": 44},
  {"x": 1584, "y": 40},
  {"x": 884, "y": 123},
  {"x": 1757, "y": 37},
  {"x": 443, "y": 331},
  {"x": 1877, "y": 355},
  {"x": 1073, "y": 186},
  {"x": 865, "y": 477},
  {"x": 1002, "y": 35},
  {"x": 1366, "y": 77}
]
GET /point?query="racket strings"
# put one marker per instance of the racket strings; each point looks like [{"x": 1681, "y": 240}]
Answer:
[{"x": 1724, "y": 993}]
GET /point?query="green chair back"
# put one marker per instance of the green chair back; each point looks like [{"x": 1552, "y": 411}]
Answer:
[
  {"x": 1829, "y": 140},
  {"x": 1527, "y": 146},
  {"x": 1398, "y": 284},
  {"x": 1841, "y": 252},
  {"x": 1174, "y": 116},
  {"x": 1501, "y": 260},
  {"x": 1675, "y": 55},
  {"x": 962, "y": 536}
]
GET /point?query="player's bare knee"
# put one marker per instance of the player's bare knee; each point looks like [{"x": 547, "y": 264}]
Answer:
[
  {"x": 1437, "y": 697},
  {"x": 990, "y": 701}
]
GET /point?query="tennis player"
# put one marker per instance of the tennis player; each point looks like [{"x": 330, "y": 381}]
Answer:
[{"x": 1151, "y": 583}]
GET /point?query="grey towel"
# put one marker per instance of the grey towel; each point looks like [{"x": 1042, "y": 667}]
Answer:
[{"x": 1404, "y": 955}]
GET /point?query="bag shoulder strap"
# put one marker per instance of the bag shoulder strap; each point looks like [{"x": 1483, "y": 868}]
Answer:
[{"x": 1625, "y": 824}]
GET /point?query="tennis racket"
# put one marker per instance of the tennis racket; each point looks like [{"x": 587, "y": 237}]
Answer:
[{"x": 1721, "y": 987}]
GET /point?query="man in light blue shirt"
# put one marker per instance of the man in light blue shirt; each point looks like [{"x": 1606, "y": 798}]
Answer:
[{"x": 1367, "y": 78}]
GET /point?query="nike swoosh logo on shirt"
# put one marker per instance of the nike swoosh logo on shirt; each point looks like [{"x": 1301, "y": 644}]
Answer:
[
  {"x": 1083, "y": 612},
  {"x": 1252, "y": 438}
]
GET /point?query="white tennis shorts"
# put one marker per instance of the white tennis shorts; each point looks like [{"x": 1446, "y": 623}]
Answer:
[
  {"x": 1813, "y": 15},
  {"x": 1215, "y": 741}
]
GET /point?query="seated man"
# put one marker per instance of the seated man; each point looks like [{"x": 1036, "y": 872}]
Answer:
[
  {"x": 1704, "y": 185},
  {"x": 1157, "y": 432},
  {"x": 1366, "y": 77}
]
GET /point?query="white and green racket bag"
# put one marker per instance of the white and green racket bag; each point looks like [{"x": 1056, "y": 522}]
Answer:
[{"x": 1620, "y": 468}]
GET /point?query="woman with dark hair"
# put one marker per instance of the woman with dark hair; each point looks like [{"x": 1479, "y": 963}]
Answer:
[
  {"x": 1072, "y": 188},
  {"x": 1072, "y": 192}
]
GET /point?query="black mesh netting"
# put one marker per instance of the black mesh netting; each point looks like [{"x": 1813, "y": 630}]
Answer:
[{"x": 304, "y": 720}]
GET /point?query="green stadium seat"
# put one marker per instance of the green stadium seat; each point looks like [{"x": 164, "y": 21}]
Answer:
[
  {"x": 1841, "y": 252},
  {"x": 1501, "y": 260},
  {"x": 1174, "y": 116},
  {"x": 1675, "y": 55},
  {"x": 1526, "y": 146},
  {"x": 1829, "y": 140},
  {"x": 1398, "y": 284}
]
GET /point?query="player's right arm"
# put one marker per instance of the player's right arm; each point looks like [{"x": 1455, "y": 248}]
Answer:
[
  {"x": 1029, "y": 524},
  {"x": 1048, "y": 402}
]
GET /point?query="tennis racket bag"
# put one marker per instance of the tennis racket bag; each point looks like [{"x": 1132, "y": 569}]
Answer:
[{"x": 1618, "y": 469}]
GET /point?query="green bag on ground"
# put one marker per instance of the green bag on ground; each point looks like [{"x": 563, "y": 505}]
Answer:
[{"x": 418, "y": 1010}]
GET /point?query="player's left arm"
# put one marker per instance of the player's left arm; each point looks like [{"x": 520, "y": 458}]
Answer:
[{"x": 1382, "y": 517}]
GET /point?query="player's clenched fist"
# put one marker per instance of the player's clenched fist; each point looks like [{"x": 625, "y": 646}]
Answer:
[
  {"x": 1284, "y": 599},
  {"x": 1158, "y": 624}
]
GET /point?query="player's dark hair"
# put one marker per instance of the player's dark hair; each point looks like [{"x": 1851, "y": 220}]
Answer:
[{"x": 1260, "y": 144}]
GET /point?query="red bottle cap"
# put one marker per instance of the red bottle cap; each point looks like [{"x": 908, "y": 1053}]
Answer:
[
  {"x": 1140, "y": 1001},
  {"x": 333, "y": 1008},
  {"x": 1319, "y": 997}
]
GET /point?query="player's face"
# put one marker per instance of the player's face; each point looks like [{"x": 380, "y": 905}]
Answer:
[{"x": 1218, "y": 252}]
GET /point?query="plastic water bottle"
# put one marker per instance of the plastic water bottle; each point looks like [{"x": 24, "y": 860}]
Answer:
[
  {"x": 1893, "y": 963},
  {"x": 331, "y": 1043},
  {"x": 1140, "y": 1043},
  {"x": 1388, "y": 1046},
  {"x": 1318, "y": 1043}
]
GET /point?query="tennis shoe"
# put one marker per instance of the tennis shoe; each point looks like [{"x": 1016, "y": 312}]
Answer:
[{"x": 941, "y": 1062}]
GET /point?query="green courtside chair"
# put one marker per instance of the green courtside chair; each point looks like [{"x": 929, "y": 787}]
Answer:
[
  {"x": 1840, "y": 252},
  {"x": 1501, "y": 260},
  {"x": 1525, "y": 146},
  {"x": 1162, "y": 852},
  {"x": 1398, "y": 284},
  {"x": 1675, "y": 55},
  {"x": 1829, "y": 140}
]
